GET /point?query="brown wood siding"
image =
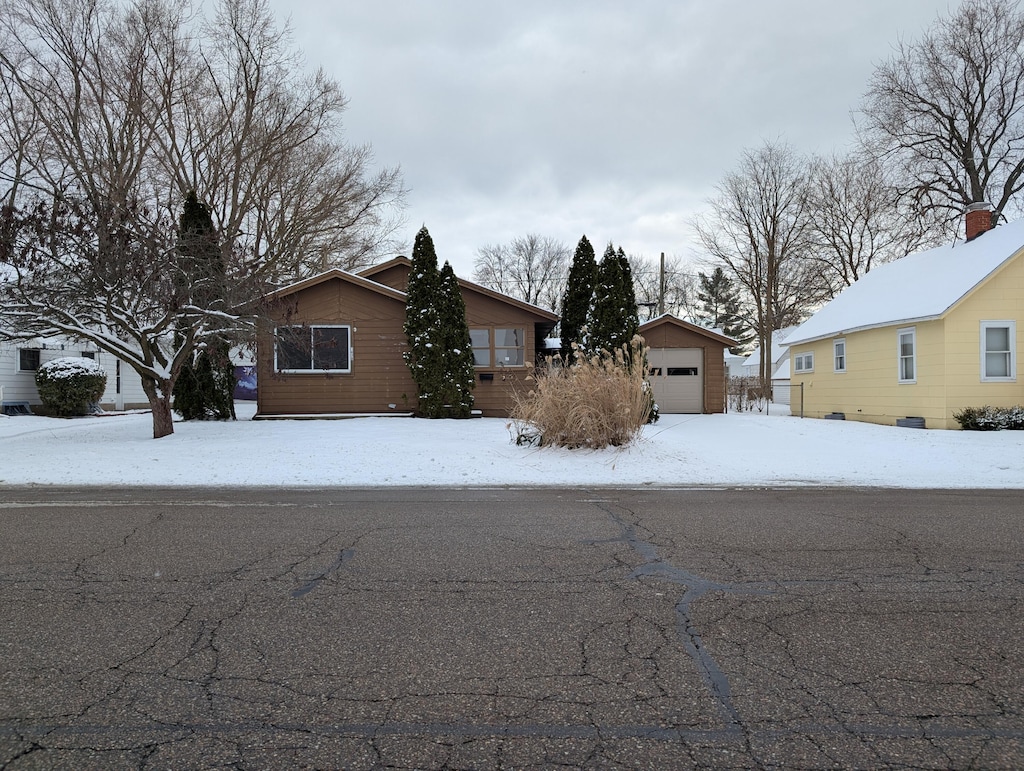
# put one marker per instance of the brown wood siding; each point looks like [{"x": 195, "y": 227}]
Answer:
[
  {"x": 494, "y": 397},
  {"x": 395, "y": 276},
  {"x": 379, "y": 376},
  {"x": 669, "y": 335}
]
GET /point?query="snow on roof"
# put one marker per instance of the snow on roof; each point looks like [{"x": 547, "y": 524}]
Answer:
[
  {"x": 919, "y": 287},
  {"x": 780, "y": 348}
]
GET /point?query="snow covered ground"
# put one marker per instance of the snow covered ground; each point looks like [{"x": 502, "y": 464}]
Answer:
[{"x": 680, "y": 450}]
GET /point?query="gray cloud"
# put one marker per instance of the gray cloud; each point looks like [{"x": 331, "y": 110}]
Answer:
[{"x": 605, "y": 118}]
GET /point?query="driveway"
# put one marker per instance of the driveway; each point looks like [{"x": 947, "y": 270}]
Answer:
[{"x": 511, "y": 628}]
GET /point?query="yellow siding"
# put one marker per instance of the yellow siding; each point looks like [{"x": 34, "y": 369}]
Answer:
[
  {"x": 1001, "y": 298},
  {"x": 948, "y": 363},
  {"x": 870, "y": 390}
]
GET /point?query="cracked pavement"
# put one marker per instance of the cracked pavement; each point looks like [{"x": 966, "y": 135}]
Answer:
[{"x": 478, "y": 629}]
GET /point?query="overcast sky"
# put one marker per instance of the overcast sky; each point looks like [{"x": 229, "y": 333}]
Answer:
[{"x": 613, "y": 119}]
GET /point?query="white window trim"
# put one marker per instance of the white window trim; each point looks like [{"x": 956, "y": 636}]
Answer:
[
  {"x": 1012, "y": 325},
  {"x": 311, "y": 327},
  {"x": 17, "y": 359},
  {"x": 835, "y": 355},
  {"x": 912, "y": 331},
  {"x": 800, "y": 358}
]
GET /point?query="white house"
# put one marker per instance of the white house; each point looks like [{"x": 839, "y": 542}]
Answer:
[
  {"x": 780, "y": 365},
  {"x": 20, "y": 360}
]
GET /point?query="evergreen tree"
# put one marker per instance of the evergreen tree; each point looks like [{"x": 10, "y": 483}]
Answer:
[
  {"x": 425, "y": 356},
  {"x": 720, "y": 308},
  {"x": 631, "y": 316},
  {"x": 576, "y": 301},
  {"x": 205, "y": 387},
  {"x": 613, "y": 318},
  {"x": 453, "y": 339}
]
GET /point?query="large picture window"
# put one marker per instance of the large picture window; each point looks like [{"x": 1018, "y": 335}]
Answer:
[
  {"x": 312, "y": 349},
  {"x": 508, "y": 349},
  {"x": 907, "y": 344},
  {"x": 998, "y": 351}
]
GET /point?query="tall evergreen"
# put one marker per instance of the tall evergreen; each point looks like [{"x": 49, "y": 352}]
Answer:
[
  {"x": 425, "y": 356},
  {"x": 630, "y": 314},
  {"x": 579, "y": 291},
  {"x": 720, "y": 308},
  {"x": 613, "y": 318},
  {"x": 205, "y": 387},
  {"x": 453, "y": 334}
]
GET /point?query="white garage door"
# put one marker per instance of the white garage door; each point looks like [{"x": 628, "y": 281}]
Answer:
[{"x": 677, "y": 377}]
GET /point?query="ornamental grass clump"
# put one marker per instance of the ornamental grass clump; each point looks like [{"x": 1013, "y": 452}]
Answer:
[
  {"x": 71, "y": 386},
  {"x": 598, "y": 401}
]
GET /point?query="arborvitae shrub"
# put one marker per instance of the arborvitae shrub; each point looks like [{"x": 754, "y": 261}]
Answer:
[
  {"x": 598, "y": 401},
  {"x": 70, "y": 385}
]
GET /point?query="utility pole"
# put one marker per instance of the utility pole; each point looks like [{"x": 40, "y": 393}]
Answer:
[{"x": 661, "y": 287}]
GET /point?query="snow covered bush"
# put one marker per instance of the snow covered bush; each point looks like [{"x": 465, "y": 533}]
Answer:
[
  {"x": 596, "y": 402},
  {"x": 990, "y": 418},
  {"x": 70, "y": 385}
]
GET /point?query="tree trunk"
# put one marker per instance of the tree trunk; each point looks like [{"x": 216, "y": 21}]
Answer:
[{"x": 159, "y": 394}]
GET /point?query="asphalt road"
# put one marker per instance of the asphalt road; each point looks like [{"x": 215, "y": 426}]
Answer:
[{"x": 481, "y": 629}]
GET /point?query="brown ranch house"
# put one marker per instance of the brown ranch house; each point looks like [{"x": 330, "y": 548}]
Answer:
[{"x": 335, "y": 344}]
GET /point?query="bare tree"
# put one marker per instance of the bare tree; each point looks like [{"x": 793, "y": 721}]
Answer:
[
  {"x": 948, "y": 110},
  {"x": 858, "y": 220},
  {"x": 670, "y": 291},
  {"x": 117, "y": 112},
  {"x": 531, "y": 268},
  {"x": 758, "y": 229}
]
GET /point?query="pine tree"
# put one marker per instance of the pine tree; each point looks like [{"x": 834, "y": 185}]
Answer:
[
  {"x": 453, "y": 340},
  {"x": 630, "y": 314},
  {"x": 613, "y": 318},
  {"x": 720, "y": 308},
  {"x": 205, "y": 387},
  {"x": 425, "y": 356},
  {"x": 576, "y": 301}
]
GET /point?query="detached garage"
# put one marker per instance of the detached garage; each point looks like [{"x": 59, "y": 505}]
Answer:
[{"x": 687, "y": 365}]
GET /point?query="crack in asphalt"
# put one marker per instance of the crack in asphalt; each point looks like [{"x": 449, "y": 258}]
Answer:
[{"x": 697, "y": 587}]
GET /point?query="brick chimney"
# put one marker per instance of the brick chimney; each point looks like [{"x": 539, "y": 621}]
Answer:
[{"x": 979, "y": 219}]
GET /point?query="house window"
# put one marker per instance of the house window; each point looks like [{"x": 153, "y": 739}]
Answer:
[
  {"x": 804, "y": 362},
  {"x": 480, "y": 339},
  {"x": 28, "y": 359},
  {"x": 907, "y": 355},
  {"x": 998, "y": 351},
  {"x": 509, "y": 349},
  {"x": 87, "y": 355},
  {"x": 312, "y": 349},
  {"x": 839, "y": 355}
]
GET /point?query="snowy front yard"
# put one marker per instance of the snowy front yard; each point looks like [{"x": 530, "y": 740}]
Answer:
[{"x": 680, "y": 450}]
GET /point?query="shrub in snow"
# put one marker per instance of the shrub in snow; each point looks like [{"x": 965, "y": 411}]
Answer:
[
  {"x": 596, "y": 402},
  {"x": 70, "y": 385},
  {"x": 990, "y": 418}
]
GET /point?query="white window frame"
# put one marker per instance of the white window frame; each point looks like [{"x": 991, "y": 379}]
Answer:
[
  {"x": 900, "y": 357},
  {"x": 1011, "y": 325},
  {"x": 314, "y": 370},
  {"x": 39, "y": 361},
  {"x": 839, "y": 359},
  {"x": 803, "y": 362}
]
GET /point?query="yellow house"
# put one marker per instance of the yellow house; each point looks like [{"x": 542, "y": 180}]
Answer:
[{"x": 919, "y": 338}]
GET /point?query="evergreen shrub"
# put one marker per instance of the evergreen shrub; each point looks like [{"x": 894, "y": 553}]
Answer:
[
  {"x": 990, "y": 418},
  {"x": 597, "y": 401},
  {"x": 71, "y": 386}
]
